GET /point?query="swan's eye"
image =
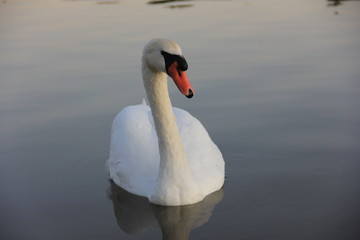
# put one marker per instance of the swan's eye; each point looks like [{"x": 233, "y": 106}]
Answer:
[
  {"x": 171, "y": 58},
  {"x": 182, "y": 63}
]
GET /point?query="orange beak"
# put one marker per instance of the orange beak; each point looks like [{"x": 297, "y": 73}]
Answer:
[{"x": 181, "y": 80}]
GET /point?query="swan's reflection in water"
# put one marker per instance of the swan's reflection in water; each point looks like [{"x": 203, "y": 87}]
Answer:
[{"x": 136, "y": 214}]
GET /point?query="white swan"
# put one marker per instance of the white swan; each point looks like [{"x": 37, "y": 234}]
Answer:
[{"x": 161, "y": 152}]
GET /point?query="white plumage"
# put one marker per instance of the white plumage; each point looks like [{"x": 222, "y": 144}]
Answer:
[{"x": 179, "y": 167}]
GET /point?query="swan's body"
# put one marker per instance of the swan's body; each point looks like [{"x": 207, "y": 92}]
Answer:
[{"x": 161, "y": 152}]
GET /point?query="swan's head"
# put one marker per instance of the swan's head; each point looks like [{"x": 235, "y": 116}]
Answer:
[{"x": 164, "y": 55}]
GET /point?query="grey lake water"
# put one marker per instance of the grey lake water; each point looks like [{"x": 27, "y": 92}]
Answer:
[{"x": 277, "y": 87}]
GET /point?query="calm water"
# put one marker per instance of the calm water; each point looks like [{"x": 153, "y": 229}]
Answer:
[{"x": 277, "y": 87}]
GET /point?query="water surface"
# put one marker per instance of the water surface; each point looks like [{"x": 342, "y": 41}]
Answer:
[{"x": 277, "y": 88}]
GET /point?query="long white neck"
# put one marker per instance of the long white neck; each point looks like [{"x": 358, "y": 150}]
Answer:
[
  {"x": 175, "y": 185},
  {"x": 170, "y": 145}
]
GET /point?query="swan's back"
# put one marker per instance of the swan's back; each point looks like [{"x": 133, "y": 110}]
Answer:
[{"x": 134, "y": 153}]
